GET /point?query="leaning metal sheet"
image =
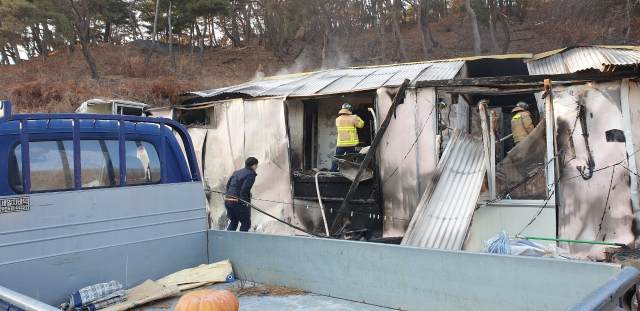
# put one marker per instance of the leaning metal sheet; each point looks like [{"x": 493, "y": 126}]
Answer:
[
  {"x": 398, "y": 172},
  {"x": 598, "y": 208},
  {"x": 218, "y": 162},
  {"x": 446, "y": 207},
  {"x": 266, "y": 139}
]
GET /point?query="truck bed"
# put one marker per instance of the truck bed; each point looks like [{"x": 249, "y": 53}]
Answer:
[
  {"x": 414, "y": 278},
  {"x": 351, "y": 275}
]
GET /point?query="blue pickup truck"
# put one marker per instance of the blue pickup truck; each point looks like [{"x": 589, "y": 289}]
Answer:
[{"x": 86, "y": 198}]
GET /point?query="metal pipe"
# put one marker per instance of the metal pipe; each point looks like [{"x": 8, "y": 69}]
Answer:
[
  {"x": 313, "y": 141},
  {"x": 324, "y": 217},
  {"x": 570, "y": 241},
  {"x": 375, "y": 119},
  {"x": 23, "y": 302},
  {"x": 505, "y": 138}
]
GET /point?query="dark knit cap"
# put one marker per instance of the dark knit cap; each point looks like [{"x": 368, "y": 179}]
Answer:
[{"x": 250, "y": 161}]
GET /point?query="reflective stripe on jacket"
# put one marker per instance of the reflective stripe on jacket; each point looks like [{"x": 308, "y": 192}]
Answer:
[
  {"x": 347, "y": 133},
  {"x": 521, "y": 124}
]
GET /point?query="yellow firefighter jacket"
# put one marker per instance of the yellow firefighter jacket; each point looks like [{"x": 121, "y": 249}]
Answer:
[
  {"x": 521, "y": 124},
  {"x": 347, "y": 124}
]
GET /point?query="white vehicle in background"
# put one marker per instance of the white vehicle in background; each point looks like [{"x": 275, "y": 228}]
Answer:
[{"x": 111, "y": 106}]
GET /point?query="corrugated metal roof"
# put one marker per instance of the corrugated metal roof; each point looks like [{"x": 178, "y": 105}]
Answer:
[
  {"x": 342, "y": 80},
  {"x": 445, "y": 211},
  {"x": 571, "y": 60}
]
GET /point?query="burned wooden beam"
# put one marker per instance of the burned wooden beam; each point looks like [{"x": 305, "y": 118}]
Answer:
[
  {"x": 491, "y": 90},
  {"x": 398, "y": 99},
  {"x": 524, "y": 81}
]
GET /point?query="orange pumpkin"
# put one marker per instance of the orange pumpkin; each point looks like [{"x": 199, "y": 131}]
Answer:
[{"x": 208, "y": 300}]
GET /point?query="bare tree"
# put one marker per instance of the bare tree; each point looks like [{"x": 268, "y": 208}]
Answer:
[
  {"x": 507, "y": 35},
  {"x": 396, "y": 28},
  {"x": 629, "y": 8},
  {"x": 477, "y": 47},
  {"x": 329, "y": 30},
  {"x": 81, "y": 24},
  {"x": 155, "y": 29},
  {"x": 46, "y": 34},
  {"x": 201, "y": 41},
  {"x": 132, "y": 20},
  {"x": 15, "y": 53},
  {"x": 492, "y": 26},
  {"x": 381, "y": 24},
  {"x": 246, "y": 11},
  {"x": 173, "y": 58},
  {"x": 35, "y": 29},
  {"x": 422, "y": 10}
]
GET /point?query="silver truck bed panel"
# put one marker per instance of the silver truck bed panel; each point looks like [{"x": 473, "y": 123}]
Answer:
[{"x": 409, "y": 278}]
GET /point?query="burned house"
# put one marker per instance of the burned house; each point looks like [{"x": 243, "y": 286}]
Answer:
[{"x": 574, "y": 177}]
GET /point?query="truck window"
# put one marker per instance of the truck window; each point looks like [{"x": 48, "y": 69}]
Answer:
[
  {"x": 100, "y": 162},
  {"x": 51, "y": 164},
  {"x": 143, "y": 163}
]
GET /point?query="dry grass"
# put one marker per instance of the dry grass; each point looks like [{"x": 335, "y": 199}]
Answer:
[
  {"x": 244, "y": 290},
  {"x": 63, "y": 82},
  {"x": 158, "y": 304}
]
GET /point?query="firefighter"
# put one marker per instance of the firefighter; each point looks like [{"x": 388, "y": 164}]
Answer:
[
  {"x": 521, "y": 123},
  {"x": 239, "y": 186},
  {"x": 347, "y": 122}
]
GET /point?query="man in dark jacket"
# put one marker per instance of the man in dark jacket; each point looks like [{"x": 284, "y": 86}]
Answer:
[{"x": 239, "y": 186}]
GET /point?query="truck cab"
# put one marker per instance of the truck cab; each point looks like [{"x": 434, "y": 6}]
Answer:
[{"x": 87, "y": 198}]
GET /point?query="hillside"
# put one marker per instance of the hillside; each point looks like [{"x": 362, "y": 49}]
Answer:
[{"x": 63, "y": 82}]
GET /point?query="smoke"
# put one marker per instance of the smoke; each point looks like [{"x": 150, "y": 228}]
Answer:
[
  {"x": 343, "y": 60},
  {"x": 339, "y": 60},
  {"x": 301, "y": 64},
  {"x": 304, "y": 63}
]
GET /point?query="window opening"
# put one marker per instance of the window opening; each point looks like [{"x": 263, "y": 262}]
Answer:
[
  {"x": 310, "y": 133},
  {"x": 320, "y": 133},
  {"x": 196, "y": 117},
  {"x": 129, "y": 110},
  {"x": 523, "y": 164}
]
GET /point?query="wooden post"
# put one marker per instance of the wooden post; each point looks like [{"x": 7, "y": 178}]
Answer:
[{"x": 398, "y": 99}]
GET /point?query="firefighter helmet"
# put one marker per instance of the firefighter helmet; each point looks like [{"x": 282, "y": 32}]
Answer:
[{"x": 523, "y": 105}]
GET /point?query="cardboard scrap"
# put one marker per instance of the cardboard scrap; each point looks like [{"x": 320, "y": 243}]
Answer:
[{"x": 202, "y": 275}]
